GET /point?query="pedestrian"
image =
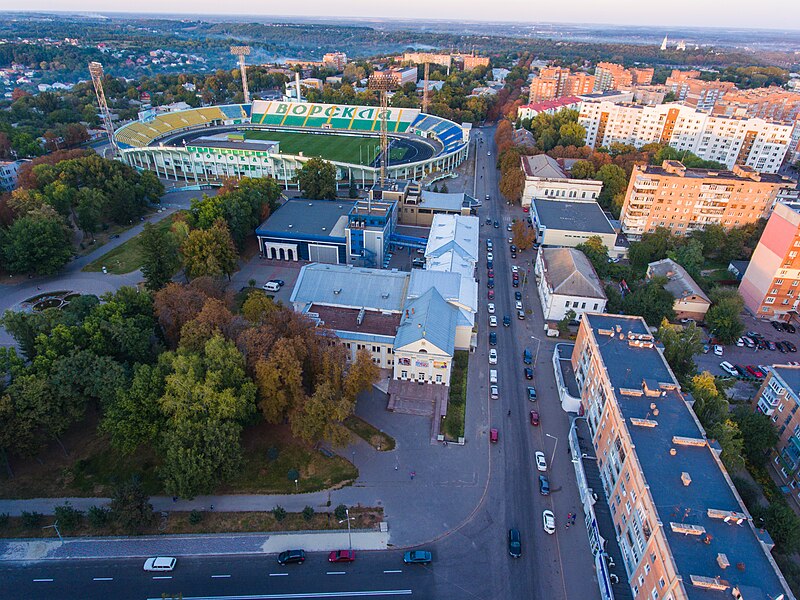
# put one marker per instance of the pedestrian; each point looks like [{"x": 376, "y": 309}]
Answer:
[
  {"x": 174, "y": 498},
  {"x": 574, "y": 516},
  {"x": 396, "y": 467},
  {"x": 413, "y": 474},
  {"x": 212, "y": 507}
]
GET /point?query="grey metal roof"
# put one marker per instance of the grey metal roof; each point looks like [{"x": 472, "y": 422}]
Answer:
[
  {"x": 680, "y": 283},
  {"x": 431, "y": 318},
  {"x": 443, "y": 201},
  {"x": 790, "y": 375},
  {"x": 570, "y": 273},
  {"x": 454, "y": 288},
  {"x": 542, "y": 165},
  {"x": 301, "y": 217},
  {"x": 350, "y": 287},
  {"x": 456, "y": 233},
  {"x": 710, "y": 487},
  {"x": 572, "y": 216}
]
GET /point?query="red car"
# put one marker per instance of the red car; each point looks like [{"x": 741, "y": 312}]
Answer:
[
  {"x": 534, "y": 418},
  {"x": 525, "y": 209},
  {"x": 491, "y": 294},
  {"x": 491, "y": 273},
  {"x": 342, "y": 556},
  {"x": 493, "y": 436},
  {"x": 754, "y": 371}
]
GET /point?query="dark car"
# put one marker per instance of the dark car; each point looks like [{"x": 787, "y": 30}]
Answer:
[
  {"x": 488, "y": 220},
  {"x": 493, "y": 338},
  {"x": 417, "y": 557},
  {"x": 513, "y": 248},
  {"x": 506, "y": 321},
  {"x": 788, "y": 327},
  {"x": 490, "y": 283},
  {"x": 762, "y": 344},
  {"x": 534, "y": 418},
  {"x": 496, "y": 224},
  {"x": 527, "y": 358},
  {"x": 790, "y": 346},
  {"x": 771, "y": 345},
  {"x": 776, "y": 325},
  {"x": 289, "y": 557},
  {"x": 742, "y": 371},
  {"x": 338, "y": 556},
  {"x": 514, "y": 543},
  {"x": 781, "y": 348},
  {"x": 490, "y": 264},
  {"x": 515, "y": 283},
  {"x": 518, "y": 295},
  {"x": 280, "y": 282},
  {"x": 513, "y": 254},
  {"x": 528, "y": 373},
  {"x": 532, "y": 394},
  {"x": 544, "y": 485}
]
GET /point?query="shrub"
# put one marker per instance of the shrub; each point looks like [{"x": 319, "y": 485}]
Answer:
[
  {"x": 68, "y": 516},
  {"x": 98, "y": 516},
  {"x": 279, "y": 513},
  {"x": 340, "y": 512},
  {"x": 308, "y": 513},
  {"x": 195, "y": 517},
  {"x": 4, "y": 518},
  {"x": 31, "y": 519}
]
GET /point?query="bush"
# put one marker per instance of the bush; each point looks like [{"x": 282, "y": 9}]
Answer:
[
  {"x": 68, "y": 517},
  {"x": 340, "y": 512},
  {"x": 4, "y": 518},
  {"x": 308, "y": 513},
  {"x": 98, "y": 516},
  {"x": 195, "y": 517},
  {"x": 31, "y": 519},
  {"x": 279, "y": 513}
]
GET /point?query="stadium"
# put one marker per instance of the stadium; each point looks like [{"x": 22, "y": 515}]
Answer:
[{"x": 273, "y": 139}]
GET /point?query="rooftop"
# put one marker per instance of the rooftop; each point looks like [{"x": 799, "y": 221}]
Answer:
[
  {"x": 446, "y": 201},
  {"x": 631, "y": 368},
  {"x": 453, "y": 233},
  {"x": 570, "y": 273},
  {"x": 542, "y": 165},
  {"x": 790, "y": 375},
  {"x": 741, "y": 174},
  {"x": 299, "y": 217},
  {"x": 350, "y": 287},
  {"x": 572, "y": 216},
  {"x": 392, "y": 185},
  {"x": 346, "y": 319},
  {"x": 680, "y": 284},
  {"x": 552, "y": 104},
  {"x": 431, "y": 318}
]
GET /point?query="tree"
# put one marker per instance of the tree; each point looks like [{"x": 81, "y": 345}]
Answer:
[
  {"x": 652, "y": 247},
  {"x": 361, "y": 375},
  {"x": 689, "y": 256},
  {"x": 723, "y": 316},
  {"x": 758, "y": 433},
  {"x": 582, "y": 169},
  {"x": 512, "y": 184},
  {"x": 524, "y": 237},
  {"x": 650, "y": 301},
  {"x": 563, "y": 324},
  {"x": 160, "y": 257},
  {"x": 257, "y": 307},
  {"x": 209, "y": 252},
  {"x": 37, "y": 243},
  {"x": 89, "y": 210},
  {"x": 571, "y": 134},
  {"x": 280, "y": 379},
  {"x": 597, "y": 253},
  {"x": 710, "y": 405},
  {"x": 175, "y": 305},
  {"x": 317, "y": 179},
  {"x": 680, "y": 346},
  {"x": 615, "y": 182},
  {"x": 130, "y": 506},
  {"x": 784, "y": 526},
  {"x": 730, "y": 440}
]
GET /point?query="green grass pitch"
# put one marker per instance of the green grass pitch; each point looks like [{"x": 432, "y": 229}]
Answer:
[{"x": 340, "y": 148}]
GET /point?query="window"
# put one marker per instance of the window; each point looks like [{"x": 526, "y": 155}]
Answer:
[
  {"x": 654, "y": 594},
  {"x": 661, "y": 583},
  {"x": 404, "y": 374},
  {"x": 646, "y": 569}
]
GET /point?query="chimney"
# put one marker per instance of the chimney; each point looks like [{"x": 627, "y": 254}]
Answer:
[{"x": 686, "y": 478}]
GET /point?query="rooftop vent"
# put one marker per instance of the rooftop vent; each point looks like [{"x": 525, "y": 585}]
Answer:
[
  {"x": 709, "y": 583},
  {"x": 723, "y": 561},
  {"x": 337, "y": 291},
  {"x": 686, "y": 478},
  {"x": 687, "y": 441},
  {"x": 729, "y": 516},
  {"x": 385, "y": 295},
  {"x": 360, "y": 317},
  {"x": 290, "y": 225},
  {"x": 644, "y": 422},
  {"x": 672, "y": 452},
  {"x": 687, "y": 529}
]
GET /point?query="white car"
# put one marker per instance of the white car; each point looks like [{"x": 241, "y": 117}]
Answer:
[
  {"x": 494, "y": 392},
  {"x": 490, "y": 306},
  {"x": 488, "y": 154},
  {"x": 740, "y": 343},
  {"x": 510, "y": 240},
  {"x": 508, "y": 227},
  {"x": 514, "y": 268},
  {"x": 729, "y": 368},
  {"x": 549, "y": 521},
  {"x": 718, "y": 350},
  {"x": 493, "y": 356},
  {"x": 489, "y": 256},
  {"x": 541, "y": 462},
  {"x": 160, "y": 563},
  {"x": 492, "y": 321},
  {"x": 518, "y": 305}
]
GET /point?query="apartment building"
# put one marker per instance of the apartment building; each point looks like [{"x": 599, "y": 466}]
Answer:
[
  {"x": 550, "y": 107},
  {"x": 682, "y": 529},
  {"x": 8, "y": 174},
  {"x": 771, "y": 285},
  {"x": 557, "y": 82},
  {"x": 465, "y": 61},
  {"x": 611, "y": 76},
  {"x": 683, "y": 200},
  {"x": 756, "y": 143},
  {"x": 337, "y": 60},
  {"x": 771, "y": 103},
  {"x": 778, "y": 398}
]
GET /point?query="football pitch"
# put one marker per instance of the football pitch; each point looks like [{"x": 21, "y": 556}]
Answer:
[{"x": 340, "y": 148}]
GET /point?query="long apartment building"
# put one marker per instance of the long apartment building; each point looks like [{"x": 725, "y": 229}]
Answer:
[
  {"x": 682, "y": 200},
  {"x": 611, "y": 76},
  {"x": 683, "y": 530},
  {"x": 557, "y": 82},
  {"x": 756, "y": 143},
  {"x": 771, "y": 285}
]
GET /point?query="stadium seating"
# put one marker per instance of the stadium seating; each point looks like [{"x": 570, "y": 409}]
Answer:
[
  {"x": 139, "y": 134},
  {"x": 448, "y": 133}
]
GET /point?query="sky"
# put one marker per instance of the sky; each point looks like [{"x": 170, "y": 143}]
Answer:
[{"x": 776, "y": 14}]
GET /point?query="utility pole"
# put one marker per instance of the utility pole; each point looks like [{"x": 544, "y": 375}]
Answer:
[
  {"x": 240, "y": 52},
  {"x": 96, "y": 71}
]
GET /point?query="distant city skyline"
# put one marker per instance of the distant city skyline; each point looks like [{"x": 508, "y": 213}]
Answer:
[{"x": 771, "y": 14}]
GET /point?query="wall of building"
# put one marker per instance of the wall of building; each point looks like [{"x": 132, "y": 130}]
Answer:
[
  {"x": 570, "y": 239},
  {"x": 422, "y": 361},
  {"x": 691, "y": 307},
  {"x": 560, "y": 189}
]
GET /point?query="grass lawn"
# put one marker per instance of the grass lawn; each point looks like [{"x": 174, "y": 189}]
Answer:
[
  {"x": 342, "y": 148},
  {"x": 369, "y": 433},
  {"x": 126, "y": 257},
  {"x": 210, "y": 522},
  {"x": 453, "y": 423}
]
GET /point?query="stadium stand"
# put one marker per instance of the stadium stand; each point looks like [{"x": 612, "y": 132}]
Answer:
[
  {"x": 138, "y": 133},
  {"x": 330, "y": 116}
]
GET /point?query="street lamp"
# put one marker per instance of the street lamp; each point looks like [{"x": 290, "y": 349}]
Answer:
[
  {"x": 553, "y": 457},
  {"x": 349, "y": 536}
]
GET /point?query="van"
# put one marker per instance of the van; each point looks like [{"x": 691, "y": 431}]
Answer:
[
  {"x": 272, "y": 286},
  {"x": 729, "y": 368},
  {"x": 493, "y": 376},
  {"x": 160, "y": 563}
]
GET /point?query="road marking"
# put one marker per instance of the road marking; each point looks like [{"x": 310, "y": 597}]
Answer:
[
  {"x": 219, "y": 576},
  {"x": 353, "y": 594},
  {"x": 162, "y": 577},
  {"x": 394, "y": 571},
  {"x": 102, "y": 579},
  {"x": 335, "y": 573},
  {"x": 278, "y": 574},
  {"x": 41, "y": 580}
]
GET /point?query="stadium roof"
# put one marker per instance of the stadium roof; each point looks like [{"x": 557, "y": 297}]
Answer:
[
  {"x": 301, "y": 218},
  {"x": 630, "y": 368},
  {"x": 572, "y": 216}
]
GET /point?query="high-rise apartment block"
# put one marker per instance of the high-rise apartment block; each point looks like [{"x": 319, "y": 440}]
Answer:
[
  {"x": 771, "y": 285},
  {"x": 337, "y": 60},
  {"x": 756, "y": 143},
  {"x": 683, "y": 200},
  {"x": 611, "y": 76},
  {"x": 465, "y": 61},
  {"x": 557, "y": 82},
  {"x": 682, "y": 529}
]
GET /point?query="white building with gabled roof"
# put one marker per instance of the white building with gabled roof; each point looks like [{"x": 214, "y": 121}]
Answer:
[{"x": 453, "y": 244}]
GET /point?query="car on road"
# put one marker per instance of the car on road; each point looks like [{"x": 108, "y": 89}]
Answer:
[
  {"x": 534, "y": 418},
  {"x": 776, "y": 325},
  {"x": 526, "y": 209},
  {"x": 728, "y": 368},
  {"x": 489, "y": 256},
  {"x": 511, "y": 241},
  {"x": 755, "y": 371},
  {"x": 508, "y": 227},
  {"x": 488, "y": 220},
  {"x": 160, "y": 563},
  {"x": 342, "y": 556},
  {"x": 521, "y": 315},
  {"x": 289, "y": 557},
  {"x": 488, "y": 154},
  {"x": 490, "y": 283},
  {"x": 489, "y": 264},
  {"x": 518, "y": 305},
  {"x": 506, "y": 321},
  {"x": 541, "y": 462},
  {"x": 788, "y": 327},
  {"x": 514, "y": 269},
  {"x": 487, "y": 197},
  {"x": 417, "y": 557},
  {"x": 497, "y": 224},
  {"x": 494, "y": 392},
  {"x": 514, "y": 543},
  {"x": 528, "y": 373},
  {"x": 492, "y": 321},
  {"x": 717, "y": 349},
  {"x": 531, "y": 393},
  {"x": 544, "y": 485},
  {"x": 517, "y": 295},
  {"x": 491, "y": 294},
  {"x": 527, "y": 357},
  {"x": 490, "y": 308},
  {"x": 492, "y": 338},
  {"x": 493, "y": 356},
  {"x": 493, "y": 436},
  {"x": 513, "y": 255},
  {"x": 515, "y": 283},
  {"x": 549, "y": 521},
  {"x": 490, "y": 272}
]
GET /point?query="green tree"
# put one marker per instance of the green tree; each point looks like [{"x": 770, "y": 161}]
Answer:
[
  {"x": 710, "y": 406},
  {"x": 680, "y": 346},
  {"x": 130, "y": 506},
  {"x": 37, "y": 243},
  {"x": 615, "y": 182},
  {"x": 650, "y": 301},
  {"x": 317, "y": 179},
  {"x": 209, "y": 252},
  {"x": 160, "y": 256},
  {"x": 730, "y": 440},
  {"x": 597, "y": 253},
  {"x": 582, "y": 169},
  {"x": 784, "y": 526},
  {"x": 652, "y": 247},
  {"x": 89, "y": 210},
  {"x": 723, "y": 318},
  {"x": 689, "y": 256},
  {"x": 571, "y": 134},
  {"x": 758, "y": 433},
  {"x": 563, "y": 324}
]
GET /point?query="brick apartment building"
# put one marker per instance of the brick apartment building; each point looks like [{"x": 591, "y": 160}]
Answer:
[
  {"x": 771, "y": 285},
  {"x": 683, "y": 200},
  {"x": 611, "y": 76},
  {"x": 682, "y": 529},
  {"x": 557, "y": 82}
]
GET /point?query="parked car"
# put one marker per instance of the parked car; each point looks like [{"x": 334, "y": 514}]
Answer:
[
  {"x": 517, "y": 295},
  {"x": 490, "y": 264},
  {"x": 513, "y": 248},
  {"x": 292, "y": 556},
  {"x": 496, "y": 224},
  {"x": 534, "y": 418},
  {"x": 771, "y": 345},
  {"x": 531, "y": 393},
  {"x": 490, "y": 283},
  {"x": 506, "y": 321},
  {"x": 541, "y": 461},
  {"x": 515, "y": 283},
  {"x": 491, "y": 295},
  {"x": 706, "y": 348},
  {"x": 521, "y": 315},
  {"x": 493, "y": 356},
  {"x": 488, "y": 220},
  {"x": 754, "y": 371},
  {"x": 417, "y": 557},
  {"x": 518, "y": 305},
  {"x": 514, "y": 543},
  {"x": 528, "y": 373},
  {"x": 514, "y": 255},
  {"x": 160, "y": 563},
  {"x": 527, "y": 358},
  {"x": 489, "y": 256},
  {"x": 490, "y": 308},
  {"x": 740, "y": 343},
  {"x": 492, "y": 338},
  {"x": 544, "y": 485},
  {"x": 549, "y": 521},
  {"x": 776, "y": 325},
  {"x": 717, "y": 349},
  {"x": 788, "y": 327},
  {"x": 514, "y": 269},
  {"x": 339, "y": 556},
  {"x": 492, "y": 321},
  {"x": 781, "y": 348},
  {"x": 494, "y": 392},
  {"x": 728, "y": 368},
  {"x": 790, "y": 346},
  {"x": 493, "y": 436},
  {"x": 508, "y": 227},
  {"x": 490, "y": 273}
]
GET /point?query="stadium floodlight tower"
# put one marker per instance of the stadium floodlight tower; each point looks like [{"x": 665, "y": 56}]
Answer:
[
  {"x": 96, "y": 71},
  {"x": 383, "y": 82},
  {"x": 425, "y": 87},
  {"x": 240, "y": 52}
]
